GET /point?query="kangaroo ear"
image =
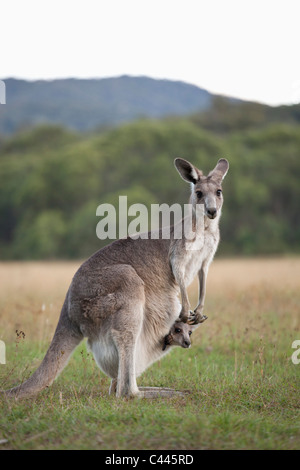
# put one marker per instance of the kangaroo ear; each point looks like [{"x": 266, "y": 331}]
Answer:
[
  {"x": 187, "y": 171},
  {"x": 220, "y": 170}
]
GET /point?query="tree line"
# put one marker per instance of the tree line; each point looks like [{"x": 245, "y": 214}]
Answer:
[{"x": 52, "y": 180}]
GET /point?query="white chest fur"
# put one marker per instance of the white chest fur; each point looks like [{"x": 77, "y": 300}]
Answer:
[{"x": 201, "y": 249}]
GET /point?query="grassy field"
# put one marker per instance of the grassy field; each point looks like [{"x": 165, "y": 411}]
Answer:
[{"x": 243, "y": 386}]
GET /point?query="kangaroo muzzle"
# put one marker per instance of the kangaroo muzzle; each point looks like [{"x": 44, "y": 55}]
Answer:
[{"x": 210, "y": 207}]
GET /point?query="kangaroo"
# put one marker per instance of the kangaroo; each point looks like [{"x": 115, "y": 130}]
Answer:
[
  {"x": 124, "y": 298},
  {"x": 179, "y": 335}
]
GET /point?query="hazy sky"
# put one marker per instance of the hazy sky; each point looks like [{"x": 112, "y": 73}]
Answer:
[{"x": 247, "y": 49}]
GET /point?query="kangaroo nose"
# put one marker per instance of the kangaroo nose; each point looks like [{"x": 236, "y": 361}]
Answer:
[
  {"x": 211, "y": 212},
  {"x": 187, "y": 344}
]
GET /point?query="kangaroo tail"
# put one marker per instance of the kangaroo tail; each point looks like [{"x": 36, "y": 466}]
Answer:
[{"x": 65, "y": 340}]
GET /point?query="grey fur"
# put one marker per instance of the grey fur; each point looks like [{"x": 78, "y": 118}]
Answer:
[
  {"x": 124, "y": 298},
  {"x": 179, "y": 335}
]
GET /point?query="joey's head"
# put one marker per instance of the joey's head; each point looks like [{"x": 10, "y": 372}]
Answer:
[
  {"x": 206, "y": 190},
  {"x": 179, "y": 335}
]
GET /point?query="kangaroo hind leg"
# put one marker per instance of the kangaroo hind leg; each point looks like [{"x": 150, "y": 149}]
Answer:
[
  {"x": 126, "y": 328},
  {"x": 126, "y": 381},
  {"x": 125, "y": 333}
]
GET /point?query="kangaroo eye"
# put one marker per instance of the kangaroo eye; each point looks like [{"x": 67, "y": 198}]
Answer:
[
  {"x": 199, "y": 194},
  {"x": 219, "y": 192},
  {"x": 177, "y": 330},
  {"x": 190, "y": 333}
]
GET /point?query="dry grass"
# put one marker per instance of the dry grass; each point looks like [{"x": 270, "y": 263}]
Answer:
[
  {"x": 31, "y": 297},
  {"x": 32, "y": 293},
  {"x": 252, "y": 299}
]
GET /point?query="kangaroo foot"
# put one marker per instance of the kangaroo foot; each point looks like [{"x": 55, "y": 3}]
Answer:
[
  {"x": 154, "y": 392},
  {"x": 149, "y": 392}
]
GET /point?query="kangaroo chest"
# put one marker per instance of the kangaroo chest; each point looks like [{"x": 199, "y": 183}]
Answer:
[{"x": 201, "y": 250}]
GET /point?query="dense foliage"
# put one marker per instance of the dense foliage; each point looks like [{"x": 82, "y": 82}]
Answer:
[{"x": 52, "y": 180}]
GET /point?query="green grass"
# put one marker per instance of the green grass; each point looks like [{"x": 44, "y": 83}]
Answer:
[
  {"x": 243, "y": 389},
  {"x": 233, "y": 403}
]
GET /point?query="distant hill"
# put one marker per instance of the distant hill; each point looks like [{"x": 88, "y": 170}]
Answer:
[{"x": 85, "y": 105}]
